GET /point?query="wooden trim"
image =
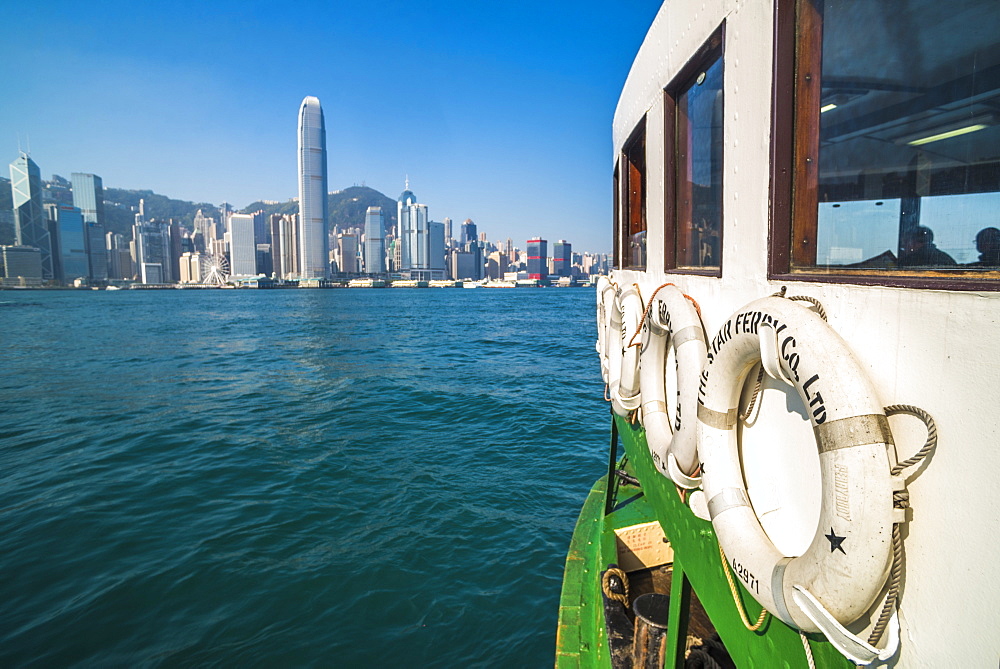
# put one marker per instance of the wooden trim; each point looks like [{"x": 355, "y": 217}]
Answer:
[
  {"x": 782, "y": 129},
  {"x": 673, "y": 116},
  {"x": 616, "y": 216},
  {"x": 669, "y": 182},
  {"x": 633, "y": 177},
  {"x": 926, "y": 280},
  {"x": 808, "y": 89}
]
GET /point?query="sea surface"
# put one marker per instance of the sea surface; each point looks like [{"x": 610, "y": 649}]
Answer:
[{"x": 275, "y": 478}]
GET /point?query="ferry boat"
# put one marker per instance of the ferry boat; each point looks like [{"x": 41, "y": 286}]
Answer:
[{"x": 798, "y": 341}]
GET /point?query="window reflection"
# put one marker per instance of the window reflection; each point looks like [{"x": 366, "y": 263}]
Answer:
[
  {"x": 634, "y": 154},
  {"x": 908, "y": 136},
  {"x": 699, "y": 169}
]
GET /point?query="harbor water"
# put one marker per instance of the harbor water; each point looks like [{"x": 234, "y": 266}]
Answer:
[{"x": 292, "y": 477}]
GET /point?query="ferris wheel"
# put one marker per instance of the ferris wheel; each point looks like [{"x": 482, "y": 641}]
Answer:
[{"x": 214, "y": 270}]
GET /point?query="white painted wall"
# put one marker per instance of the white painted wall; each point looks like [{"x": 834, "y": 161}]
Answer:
[{"x": 935, "y": 349}]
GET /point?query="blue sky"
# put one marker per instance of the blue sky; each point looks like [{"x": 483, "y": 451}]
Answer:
[{"x": 498, "y": 111}]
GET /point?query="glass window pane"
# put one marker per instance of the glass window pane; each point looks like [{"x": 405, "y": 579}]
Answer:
[
  {"x": 909, "y": 136},
  {"x": 635, "y": 198},
  {"x": 699, "y": 170}
]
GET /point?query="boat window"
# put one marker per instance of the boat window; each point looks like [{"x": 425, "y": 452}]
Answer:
[
  {"x": 634, "y": 164},
  {"x": 896, "y": 146},
  {"x": 694, "y": 115}
]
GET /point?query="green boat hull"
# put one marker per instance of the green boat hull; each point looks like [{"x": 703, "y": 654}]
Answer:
[{"x": 697, "y": 566}]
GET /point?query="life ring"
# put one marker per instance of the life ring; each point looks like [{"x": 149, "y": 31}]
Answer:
[
  {"x": 604, "y": 286},
  {"x": 840, "y": 575},
  {"x": 612, "y": 346},
  {"x": 625, "y": 396},
  {"x": 672, "y": 321}
]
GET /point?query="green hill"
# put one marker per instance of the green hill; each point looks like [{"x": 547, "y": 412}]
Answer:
[{"x": 346, "y": 207}]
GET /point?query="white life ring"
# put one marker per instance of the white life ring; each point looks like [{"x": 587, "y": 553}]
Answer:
[
  {"x": 625, "y": 396},
  {"x": 612, "y": 339},
  {"x": 674, "y": 448},
  {"x": 840, "y": 575},
  {"x": 604, "y": 286}
]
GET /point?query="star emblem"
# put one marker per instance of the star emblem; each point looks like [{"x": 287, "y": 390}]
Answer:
[{"x": 835, "y": 542}]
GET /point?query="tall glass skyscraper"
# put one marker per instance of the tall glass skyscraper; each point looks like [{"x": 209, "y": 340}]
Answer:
[
  {"x": 30, "y": 226},
  {"x": 374, "y": 253},
  {"x": 314, "y": 236},
  {"x": 88, "y": 197}
]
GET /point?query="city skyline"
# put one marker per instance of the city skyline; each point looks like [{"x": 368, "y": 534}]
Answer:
[{"x": 496, "y": 98}]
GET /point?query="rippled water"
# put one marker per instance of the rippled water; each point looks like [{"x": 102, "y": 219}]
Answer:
[{"x": 327, "y": 477}]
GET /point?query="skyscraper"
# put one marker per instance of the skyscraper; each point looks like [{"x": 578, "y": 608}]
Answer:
[
  {"x": 88, "y": 196},
  {"x": 314, "y": 237},
  {"x": 537, "y": 256},
  {"x": 70, "y": 261},
  {"x": 413, "y": 236},
  {"x": 242, "y": 248},
  {"x": 562, "y": 258},
  {"x": 468, "y": 233},
  {"x": 374, "y": 255},
  {"x": 30, "y": 226}
]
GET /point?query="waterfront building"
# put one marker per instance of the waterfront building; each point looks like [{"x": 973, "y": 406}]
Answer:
[
  {"x": 88, "y": 195},
  {"x": 414, "y": 261},
  {"x": 435, "y": 245},
  {"x": 22, "y": 265},
  {"x": 537, "y": 255},
  {"x": 242, "y": 247},
  {"x": 562, "y": 258},
  {"x": 119, "y": 256},
  {"x": 285, "y": 245},
  {"x": 313, "y": 220},
  {"x": 347, "y": 253},
  {"x": 374, "y": 253},
  {"x": 151, "y": 241},
  {"x": 68, "y": 239},
  {"x": 496, "y": 265},
  {"x": 30, "y": 226},
  {"x": 265, "y": 260}
]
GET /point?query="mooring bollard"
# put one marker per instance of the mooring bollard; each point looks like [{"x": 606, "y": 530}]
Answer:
[{"x": 651, "y": 611}]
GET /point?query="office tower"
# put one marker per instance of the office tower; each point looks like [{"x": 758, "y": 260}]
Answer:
[
  {"x": 562, "y": 258},
  {"x": 496, "y": 265},
  {"x": 448, "y": 240},
  {"x": 285, "y": 245},
  {"x": 68, "y": 242},
  {"x": 261, "y": 229},
  {"x": 314, "y": 233},
  {"x": 413, "y": 236},
  {"x": 537, "y": 256},
  {"x": 206, "y": 226},
  {"x": 120, "y": 264},
  {"x": 8, "y": 237},
  {"x": 152, "y": 250},
  {"x": 242, "y": 247},
  {"x": 22, "y": 265},
  {"x": 374, "y": 255},
  {"x": 30, "y": 226},
  {"x": 222, "y": 225},
  {"x": 435, "y": 246},
  {"x": 347, "y": 253},
  {"x": 468, "y": 233},
  {"x": 88, "y": 195}
]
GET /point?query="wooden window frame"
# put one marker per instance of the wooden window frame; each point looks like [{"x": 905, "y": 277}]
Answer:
[
  {"x": 794, "y": 179},
  {"x": 637, "y": 135},
  {"x": 616, "y": 261},
  {"x": 713, "y": 48}
]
